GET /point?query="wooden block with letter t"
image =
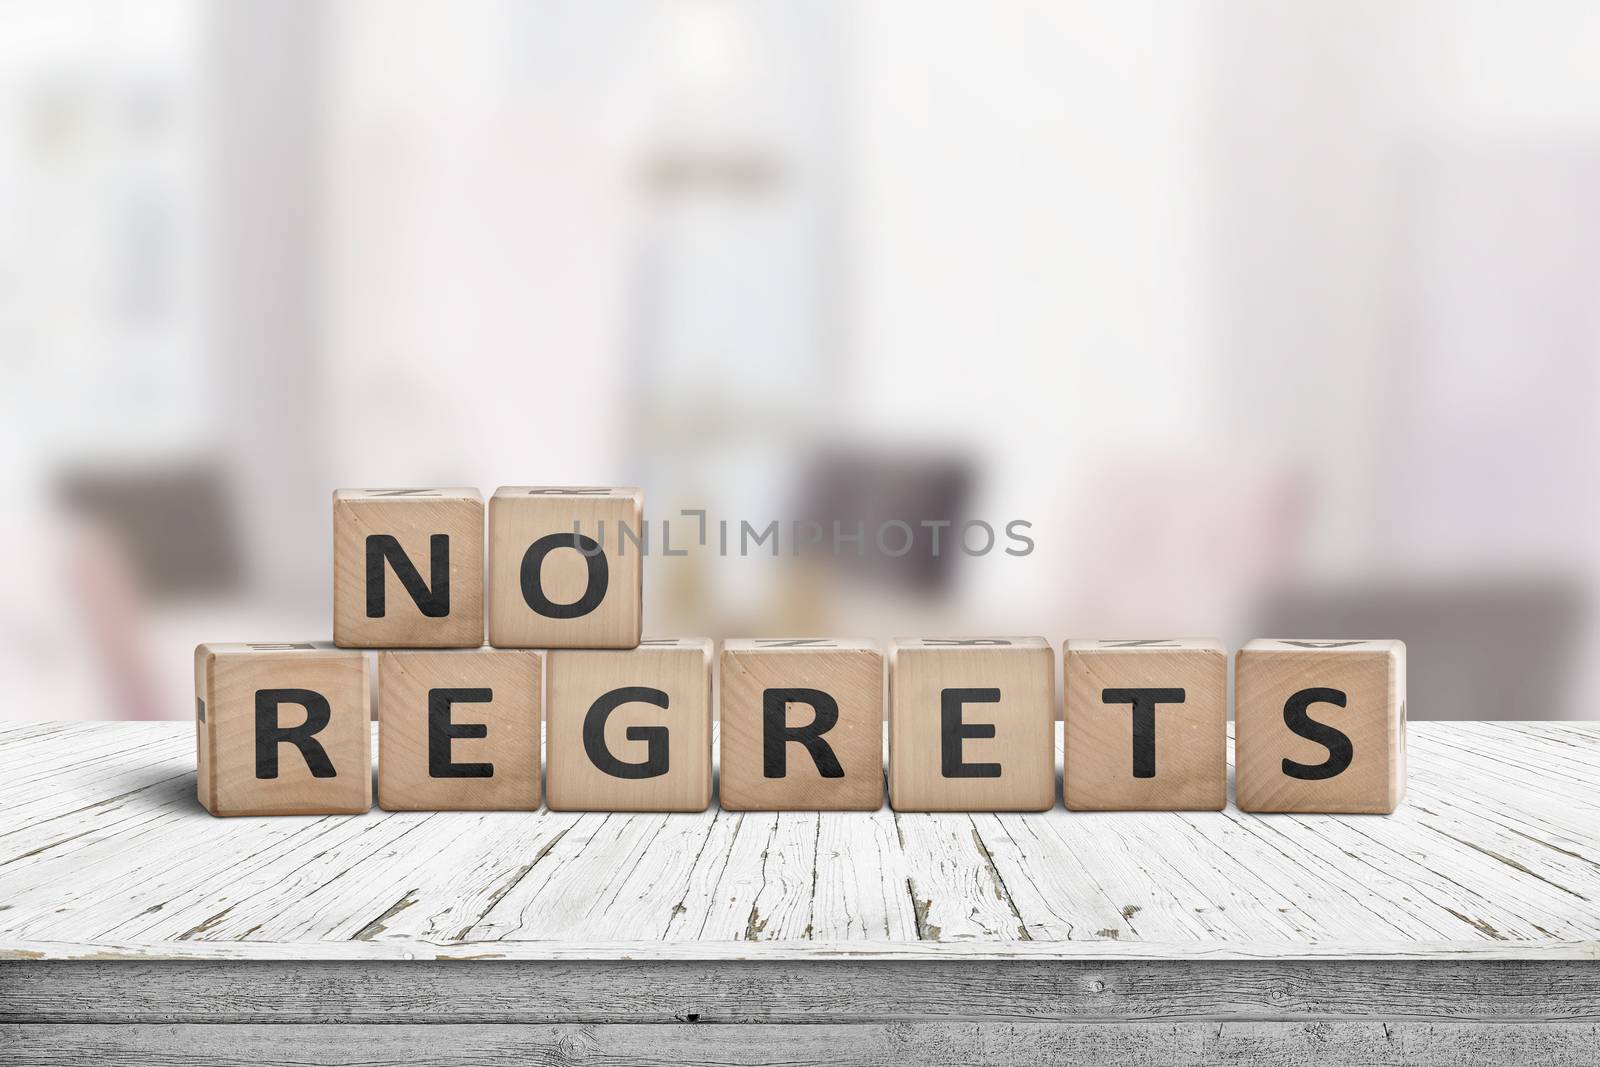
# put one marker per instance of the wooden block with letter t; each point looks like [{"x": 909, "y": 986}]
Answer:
[
  {"x": 1320, "y": 726},
  {"x": 566, "y": 567},
  {"x": 630, "y": 729},
  {"x": 283, "y": 729},
  {"x": 407, "y": 568},
  {"x": 802, "y": 725},
  {"x": 1146, "y": 725},
  {"x": 458, "y": 730},
  {"x": 972, "y": 724}
]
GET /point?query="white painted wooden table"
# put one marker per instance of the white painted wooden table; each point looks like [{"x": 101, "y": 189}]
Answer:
[{"x": 1464, "y": 928}]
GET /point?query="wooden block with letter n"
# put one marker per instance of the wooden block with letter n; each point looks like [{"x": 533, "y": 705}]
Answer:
[
  {"x": 458, "y": 730},
  {"x": 407, "y": 568},
  {"x": 283, "y": 729},
  {"x": 630, "y": 729},
  {"x": 566, "y": 567},
  {"x": 972, "y": 724},
  {"x": 1146, "y": 725},
  {"x": 802, "y": 725},
  {"x": 1320, "y": 726}
]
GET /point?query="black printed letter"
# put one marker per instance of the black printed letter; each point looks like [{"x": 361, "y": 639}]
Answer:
[
  {"x": 952, "y": 731},
  {"x": 441, "y": 731},
  {"x": 269, "y": 734},
  {"x": 1144, "y": 703},
  {"x": 1340, "y": 751},
  {"x": 593, "y": 593},
  {"x": 777, "y": 734},
  {"x": 655, "y": 737},
  {"x": 434, "y": 600}
]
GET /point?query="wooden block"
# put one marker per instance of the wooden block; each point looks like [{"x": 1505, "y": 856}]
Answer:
[
  {"x": 407, "y": 568},
  {"x": 458, "y": 730},
  {"x": 802, "y": 725},
  {"x": 1320, "y": 726},
  {"x": 283, "y": 729},
  {"x": 630, "y": 730},
  {"x": 972, "y": 724},
  {"x": 551, "y": 586},
  {"x": 1146, "y": 725}
]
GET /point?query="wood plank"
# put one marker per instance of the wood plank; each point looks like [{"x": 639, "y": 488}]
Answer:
[
  {"x": 775, "y": 991},
  {"x": 1419, "y": 1044}
]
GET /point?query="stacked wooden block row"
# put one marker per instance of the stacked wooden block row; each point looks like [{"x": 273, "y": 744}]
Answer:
[{"x": 284, "y": 728}]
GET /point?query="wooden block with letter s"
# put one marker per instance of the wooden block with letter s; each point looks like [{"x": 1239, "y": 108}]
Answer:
[
  {"x": 630, "y": 729},
  {"x": 407, "y": 568},
  {"x": 566, "y": 567},
  {"x": 458, "y": 730},
  {"x": 282, "y": 729},
  {"x": 802, "y": 725},
  {"x": 972, "y": 724},
  {"x": 1320, "y": 726},
  {"x": 1146, "y": 725}
]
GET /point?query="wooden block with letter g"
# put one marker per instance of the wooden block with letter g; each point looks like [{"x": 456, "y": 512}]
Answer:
[
  {"x": 972, "y": 724},
  {"x": 630, "y": 729},
  {"x": 802, "y": 725},
  {"x": 1320, "y": 726},
  {"x": 1146, "y": 725},
  {"x": 407, "y": 568},
  {"x": 283, "y": 729},
  {"x": 566, "y": 567},
  {"x": 458, "y": 730}
]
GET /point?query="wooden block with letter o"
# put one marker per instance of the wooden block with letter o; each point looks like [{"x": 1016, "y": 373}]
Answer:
[
  {"x": 1146, "y": 725},
  {"x": 407, "y": 568},
  {"x": 565, "y": 567},
  {"x": 972, "y": 724},
  {"x": 802, "y": 725},
  {"x": 283, "y": 729},
  {"x": 630, "y": 729},
  {"x": 458, "y": 730},
  {"x": 1320, "y": 726}
]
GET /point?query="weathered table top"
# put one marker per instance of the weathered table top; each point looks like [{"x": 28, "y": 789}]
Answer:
[{"x": 104, "y": 854}]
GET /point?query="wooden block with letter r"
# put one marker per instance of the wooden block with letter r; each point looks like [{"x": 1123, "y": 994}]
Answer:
[
  {"x": 458, "y": 730},
  {"x": 283, "y": 729},
  {"x": 566, "y": 567},
  {"x": 1146, "y": 725},
  {"x": 630, "y": 729},
  {"x": 1320, "y": 726},
  {"x": 972, "y": 724},
  {"x": 407, "y": 568},
  {"x": 802, "y": 725}
]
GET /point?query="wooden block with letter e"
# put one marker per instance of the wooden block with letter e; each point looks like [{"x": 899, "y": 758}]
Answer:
[
  {"x": 972, "y": 724},
  {"x": 1320, "y": 726},
  {"x": 630, "y": 729},
  {"x": 565, "y": 567},
  {"x": 802, "y": 725},
  {"x": 458, "y": 730},
  {"x": 407, "y": 568},
  {"x": 1146, "y": 725},
  {"x": 283, "y": 729}
]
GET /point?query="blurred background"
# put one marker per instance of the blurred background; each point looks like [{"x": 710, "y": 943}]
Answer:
[{"x": 1272, "y": 319}]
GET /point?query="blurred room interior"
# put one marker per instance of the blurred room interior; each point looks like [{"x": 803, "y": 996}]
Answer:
[{"x": 1271, "y": 319}]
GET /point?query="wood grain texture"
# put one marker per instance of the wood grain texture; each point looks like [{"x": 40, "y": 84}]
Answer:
[
  {"x": 1007, "y": 761},
  {"x": 493, "y": 693},
  {"x": 309, "y": 679},
  {"x": 845, "y": 678},
  {"x": 522, "y": 516},
  {"x": 677, "y": 672},
  {"x": 104, "y": 854},
  {"x": 1188, "y": 741},
  {"x": 1369, "y": 676},
  {"x": 413, "y": 517},
  {"x": 1422, "y": 1044}
]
